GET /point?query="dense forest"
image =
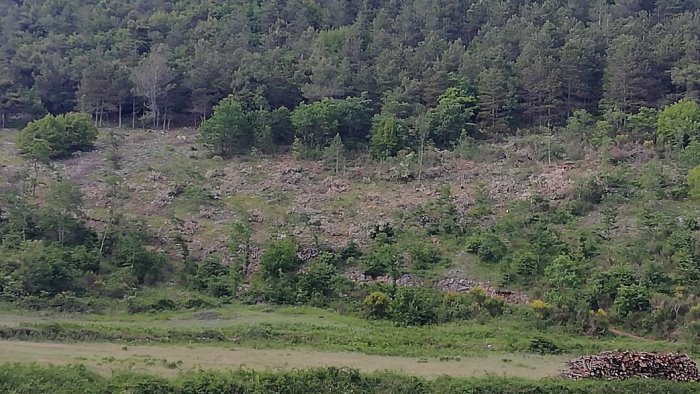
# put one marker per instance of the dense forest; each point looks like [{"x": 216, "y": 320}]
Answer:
[{"x": 528, "y": 63}]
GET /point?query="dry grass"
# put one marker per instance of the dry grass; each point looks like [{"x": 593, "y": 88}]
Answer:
[{"x": 171, "y": 360}]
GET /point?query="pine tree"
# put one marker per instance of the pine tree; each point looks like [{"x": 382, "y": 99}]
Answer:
[
  {"x": 334, "y": 153},
  {"x": 631, "y": 80},
  {"x": 497, "y": 97}
]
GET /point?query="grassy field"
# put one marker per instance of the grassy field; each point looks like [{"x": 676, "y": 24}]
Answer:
[
  {"x": 168, "y": 360},
  {"x": 308, "y": 329}
]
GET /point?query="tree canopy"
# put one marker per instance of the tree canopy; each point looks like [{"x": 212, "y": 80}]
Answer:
[{"x": 526, "y": 63}]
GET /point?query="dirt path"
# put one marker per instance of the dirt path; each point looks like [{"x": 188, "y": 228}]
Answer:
[
  {"x": 627, "y": 334},
  {"x": 170, "y": 360}
]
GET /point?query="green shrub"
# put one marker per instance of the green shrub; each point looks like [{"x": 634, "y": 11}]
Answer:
[
  {"x": 63, "y": 134},
  {"x": 37, "y": 268},
  {"x": 694, "y": 182},
  {"x": 376, "y": 304},
  {"x": 280, "y": 258},
  {"x": 317, "y": 280},
  {"x": 229, "y": 131},
  {"x": 317, "y": 123},
  {"x": 389, "y": 135},
  {"x": 425, "y": 255},
  {"x": 543, "y": 346},
  {"x": 590, "y": 190},
  {"x": 456, "y": 306},
  {"x": 132, "y": 383},
  {"x": 488, "y": 247},
  {"x": 29, "y": 379},
  {"x": 632, "y": 298},
  {"x": 145, "y": 305},
  {"x": 381, "y": 259},
  {"x": 215, "y": 279},
  {"x": 66, "y": 302},
  {"x": 415, "y": 305},
  {"x": 679, "y": 123}
]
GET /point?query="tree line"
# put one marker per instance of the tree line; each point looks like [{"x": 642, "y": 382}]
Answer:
[{"x": 526, "y": 63}]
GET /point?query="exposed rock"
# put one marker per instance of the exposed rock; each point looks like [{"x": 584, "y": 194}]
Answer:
[
  {"x": 308, "y": 253},
  {"x": 256, "y": 216},
  {"x": 334, "y": 185},
  {"x": 214, "y": 173},
  {"x": 189, "y": 227},
  {"x": 463, "y": 285},
  {"x": 154, "y": 176},
  {"x": 403, "y": 280}
]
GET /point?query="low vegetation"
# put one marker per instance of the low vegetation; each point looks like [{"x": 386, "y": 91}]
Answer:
[{"x": 60, "y": 380}]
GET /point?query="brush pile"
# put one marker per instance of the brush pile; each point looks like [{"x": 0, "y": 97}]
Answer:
[{"x": 621, "y": 365}]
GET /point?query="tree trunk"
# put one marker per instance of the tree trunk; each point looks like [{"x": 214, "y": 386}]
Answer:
[
  {"x": 133, "y": 113},
  {"x": 24, "y": 226},
  {"x": 120, "y": 115},
  {"x": 102, "y": 111},
  {"x": 36, "y": 177},
  {"x": 104, "y": 237},
  {"x": 337, "y": 162},
  {"x": 420, "y": 159},
  {"x": 60, "y": 231}
]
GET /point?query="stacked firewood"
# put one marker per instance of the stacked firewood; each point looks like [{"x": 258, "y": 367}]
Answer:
[{"x": 620, "y": 365}]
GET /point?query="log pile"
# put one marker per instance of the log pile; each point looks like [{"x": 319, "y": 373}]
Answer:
[{"x": 620, "y": 365}]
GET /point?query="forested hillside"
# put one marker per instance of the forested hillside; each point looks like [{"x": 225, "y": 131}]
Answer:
[
  {"x": 468, "y": 182},
  {"x": 528, "y": 62}
]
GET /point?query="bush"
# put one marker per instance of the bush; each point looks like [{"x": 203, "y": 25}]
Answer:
[
  {"x": 36, "y": 268},
  {"x": 49, "y": 379},
  {"x": 229, "y": 130},
  {"x": 694, "y": 182},
  {"x": 63, "y": 134},
  {"x": 146, "y": 266},
  {"x": 425, "y": 256},
  {"x": 317, "y": 123},
  {"x": 415, "y": 306},
  {"x": 376, "y": 304},
  {"x": 632, "y": 298},
  {"x": 215, "y": 279},
  {"x": 129, "y": 382},
  {"x": 66, "y": 302},
  {"x": 318, "y": 280},
  {"x": 141, "y": 305},
  {"x": 457, "y": 306},
  {"x": 389, "y": 135},
  {"x": 280, "y": 258},
  {"x": 380, "y": 260},
  {"x": 679, "y": 123},
  {"x": 544, "y": 346},
  {"x": 488, "y": 247}
]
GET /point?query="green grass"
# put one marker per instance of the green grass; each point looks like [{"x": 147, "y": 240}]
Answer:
[
  {"x": 311, "y": 328},
  {"x": 168, "y": 360}
]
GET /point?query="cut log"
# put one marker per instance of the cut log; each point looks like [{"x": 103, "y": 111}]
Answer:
[{"x": 620, "y": 365}]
